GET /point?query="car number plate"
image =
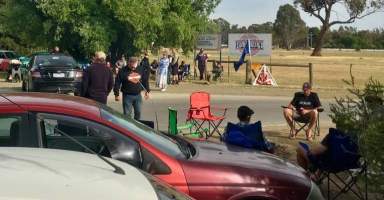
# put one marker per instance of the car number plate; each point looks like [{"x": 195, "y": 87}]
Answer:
[{"x": 58, "y": 75}]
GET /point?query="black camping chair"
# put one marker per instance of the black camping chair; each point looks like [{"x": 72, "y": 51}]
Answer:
[
  {"x": 343, "y": 167},
  {"x": 301, "y": 123}
]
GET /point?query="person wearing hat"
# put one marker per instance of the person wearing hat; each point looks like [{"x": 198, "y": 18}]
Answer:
[
  {"x": 131, "y": 80},
  {"x": 304, "y": 104}
]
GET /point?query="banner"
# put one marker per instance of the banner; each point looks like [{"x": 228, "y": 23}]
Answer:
[
  {"x": 209, "y": 41},
  {"x": 261, "y": 44}
]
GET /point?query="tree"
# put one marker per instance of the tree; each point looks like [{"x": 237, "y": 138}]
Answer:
[
  {"x": 322, "y": 10},
  {"x": 288, "y": 26},
  {"x": 115, "y": 26},
  {"x": 224, "y": 27}
]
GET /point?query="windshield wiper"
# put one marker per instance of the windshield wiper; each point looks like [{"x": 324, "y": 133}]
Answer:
[{"x": 118, "y": 170}]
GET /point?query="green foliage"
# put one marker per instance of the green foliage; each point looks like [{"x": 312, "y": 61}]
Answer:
[
  {"x": 362, "y": 116},
  {"x": 118, "y": 26},
  {"x": 288, "y": 26},
  {"x": 323, "y": 10}
]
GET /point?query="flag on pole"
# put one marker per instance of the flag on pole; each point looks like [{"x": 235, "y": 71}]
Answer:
[{"x": 246, "y": 50}]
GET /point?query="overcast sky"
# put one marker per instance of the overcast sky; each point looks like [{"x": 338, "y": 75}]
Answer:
[{"x": 247, "y": 12}]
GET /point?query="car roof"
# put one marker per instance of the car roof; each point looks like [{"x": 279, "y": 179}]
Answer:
[
  {"x": 39, "y": 173},
  {"x": 50, "y": 102}
]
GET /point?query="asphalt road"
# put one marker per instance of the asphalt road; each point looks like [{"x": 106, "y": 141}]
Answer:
[{"x": 267, "y": 109}]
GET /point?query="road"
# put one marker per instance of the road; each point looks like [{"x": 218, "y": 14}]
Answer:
[{"x": 267, "y": 109}]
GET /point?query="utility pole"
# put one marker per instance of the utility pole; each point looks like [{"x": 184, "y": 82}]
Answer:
[{"x": 311, "y": 38}]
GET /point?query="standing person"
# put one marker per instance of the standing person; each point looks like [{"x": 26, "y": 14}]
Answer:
[
  {"x": 163, "y": 72},
  {"x": 120, "y": 64},
  {"x": 175, "y": 72},
  {"x": 201, "y": 62},
  {"x": 303, "y": 105},
  {"x": 131, "y": 81},
  {"x": 146, "y": 67},
  {"x": 55, "y": 50},
  {"x": 97, "y": 80}
]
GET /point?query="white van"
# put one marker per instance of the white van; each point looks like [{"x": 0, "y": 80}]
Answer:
[{"x": 34, "y": 173}]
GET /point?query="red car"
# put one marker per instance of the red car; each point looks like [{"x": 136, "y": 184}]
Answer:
[{"x": 203, "y": 170}]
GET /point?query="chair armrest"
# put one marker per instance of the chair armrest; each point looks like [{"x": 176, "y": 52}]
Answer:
[
  {"x": 320, "y": 109},
  {"x": 219, "y": 108}
]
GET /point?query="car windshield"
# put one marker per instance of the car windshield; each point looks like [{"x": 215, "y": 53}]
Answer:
[
  {"x": 55, "y": 61},
  {"x": 155, "y": 138},
  {"x": 10, "y": 54}
]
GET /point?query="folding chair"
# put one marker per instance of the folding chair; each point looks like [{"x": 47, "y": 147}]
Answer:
[
  {"x": 301, "y": 123},
  {"x": 173, "y": 128},
  {"x": 199, "y": 113},
  {"x": 343, "y": 167}
]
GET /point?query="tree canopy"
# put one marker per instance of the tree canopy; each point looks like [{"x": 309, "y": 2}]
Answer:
[
  {"x": 289, "y": 26},
  {"x": 117, "y": 26},
  {"x": 323, "y": 9}
]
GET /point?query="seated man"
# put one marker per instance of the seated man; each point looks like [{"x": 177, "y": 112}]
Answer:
[
  {"x": 336, "y": 152},
  {"x": 246, "y": 134},
  {"x": 303, "y": 106}
]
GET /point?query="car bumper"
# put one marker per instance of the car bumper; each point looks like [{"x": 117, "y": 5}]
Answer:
[{"x": 70, "y": 86}]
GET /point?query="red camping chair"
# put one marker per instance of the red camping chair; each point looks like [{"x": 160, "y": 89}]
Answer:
[{"x": 199, "y": 113}]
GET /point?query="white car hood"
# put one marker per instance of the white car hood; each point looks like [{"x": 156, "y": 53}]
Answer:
[{"x": 33, "y": 173}]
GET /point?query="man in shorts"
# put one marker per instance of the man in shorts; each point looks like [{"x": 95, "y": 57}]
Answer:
[{"x": 304, "y": 105}]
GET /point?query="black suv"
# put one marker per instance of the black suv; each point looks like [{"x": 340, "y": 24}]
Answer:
[{"x": 52, "y": 73}]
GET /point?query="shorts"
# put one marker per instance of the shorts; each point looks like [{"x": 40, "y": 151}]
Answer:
[{"x": 301, "y": 118}]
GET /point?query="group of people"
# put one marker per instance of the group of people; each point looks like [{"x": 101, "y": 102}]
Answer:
[
  {"x": 168, "y": 71},
  {"x": 131, "y": 79}
]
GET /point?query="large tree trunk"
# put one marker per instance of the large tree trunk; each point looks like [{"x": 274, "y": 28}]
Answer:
[{"x": 320, "y": 41}]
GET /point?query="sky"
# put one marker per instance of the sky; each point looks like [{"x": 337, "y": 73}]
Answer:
[{"x": 247, "y": 12}]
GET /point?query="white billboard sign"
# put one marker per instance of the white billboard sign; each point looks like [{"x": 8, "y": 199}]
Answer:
[
  {"x": 209, "y": 41},
  {"x": 261, "y": 44}
]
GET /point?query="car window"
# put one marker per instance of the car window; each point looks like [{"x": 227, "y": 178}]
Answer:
[
  {"x": 151, "y": 136},
  {"x": 98, "y": 138},
  {"x": 10, "y": 54},
  {"x": 2, "y": 56},
  {"x": 54, "y": 60},
  {"x": 10, "y": 130}
]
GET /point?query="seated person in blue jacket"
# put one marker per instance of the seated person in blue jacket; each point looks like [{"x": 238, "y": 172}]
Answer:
[
  {"x": 247, "y": 134},
  {"x": 303, "y": 105}
]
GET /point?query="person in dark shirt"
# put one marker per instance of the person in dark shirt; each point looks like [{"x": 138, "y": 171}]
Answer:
[
  {"x": 131, "y": 80},
  {"x": 97, "y": 80},
  {"x": 201, "y": 59},
  {"x": 304, "y": 105},
  {"x": 145, "y": 66}
]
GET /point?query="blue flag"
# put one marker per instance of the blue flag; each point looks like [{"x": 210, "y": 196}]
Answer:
[{"x": 246, "y": 50}]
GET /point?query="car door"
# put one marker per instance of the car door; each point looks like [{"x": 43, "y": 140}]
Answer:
[{"x": 54, "y": 130}]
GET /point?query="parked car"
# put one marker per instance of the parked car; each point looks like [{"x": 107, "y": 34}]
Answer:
[
  {"x": 52, "y": 73},
  {"x": 32, "y": 173},
  {"x": 5, "y": 58},
  {"x": 201, "y": 169}
]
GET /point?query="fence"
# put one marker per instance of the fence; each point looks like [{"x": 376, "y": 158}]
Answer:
[{"x": 248, "y": 76}]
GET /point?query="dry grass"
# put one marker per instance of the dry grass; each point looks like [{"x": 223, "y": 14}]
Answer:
[{"x": 329, "y": 70}]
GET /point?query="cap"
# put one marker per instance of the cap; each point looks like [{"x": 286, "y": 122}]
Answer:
[
  {"x": 306, "y": 86},
  {"x": 244, "y": 111}
]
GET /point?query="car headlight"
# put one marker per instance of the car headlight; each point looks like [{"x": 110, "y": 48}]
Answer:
[
  {"x": 315, "y": 193},
  {"x": 164, "y": 191}
]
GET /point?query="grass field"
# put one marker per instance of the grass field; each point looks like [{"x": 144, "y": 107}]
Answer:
[{"x": 329, "y": 70}]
